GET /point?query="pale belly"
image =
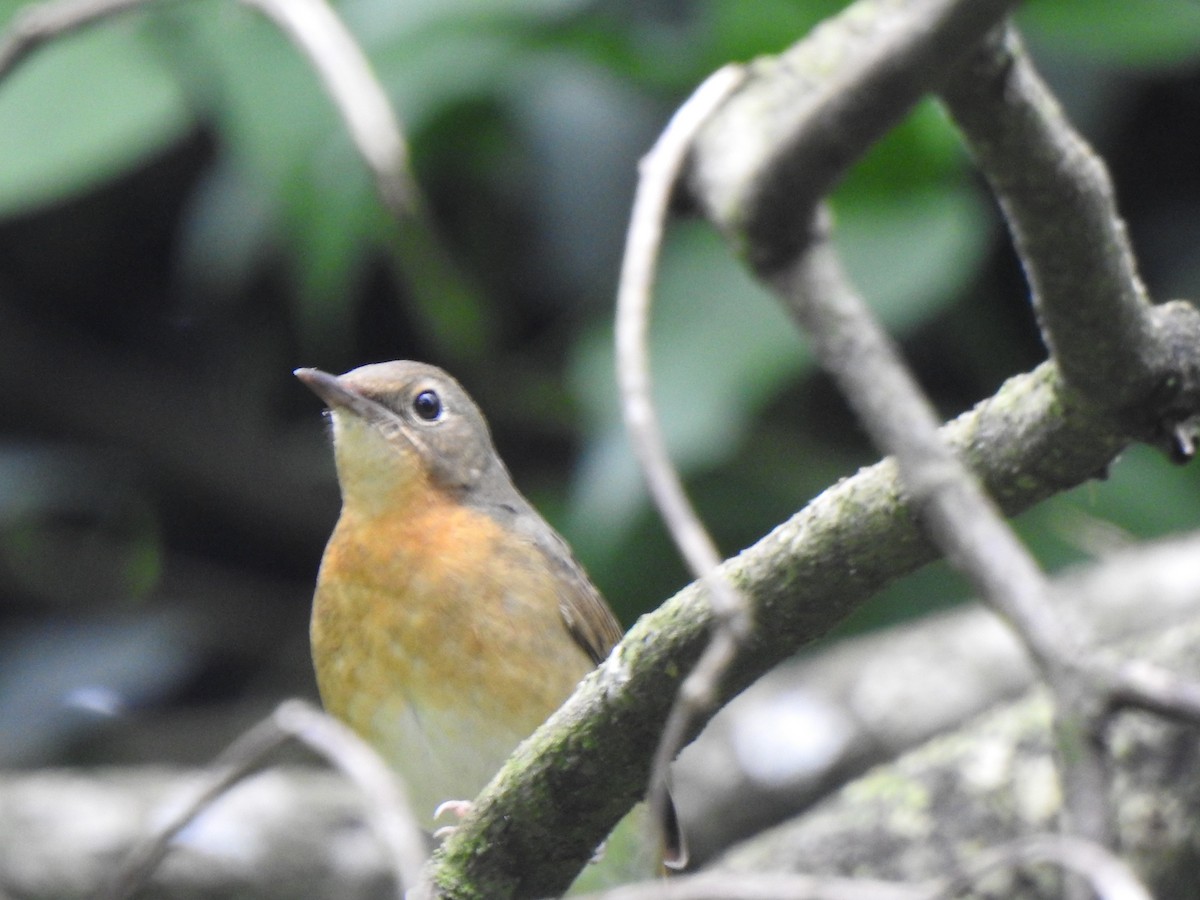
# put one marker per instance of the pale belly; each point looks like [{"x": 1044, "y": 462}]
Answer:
[{"x": 442, "y": 755}]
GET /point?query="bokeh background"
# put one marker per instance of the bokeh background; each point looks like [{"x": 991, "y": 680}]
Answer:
[{"x": 183, "y": 221}]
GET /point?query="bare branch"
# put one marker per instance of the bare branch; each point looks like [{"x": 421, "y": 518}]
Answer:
[
  {"x": 238, "y": 762},
  {"x": 890, "y": 405},
  {"x": 442, "y": 293},
  {"x": 952, "y": 506},
  {"x": 356, "y": 93},
  {"x": 787, "y": 136},
  {"x": 959, "y": 515},
  {"x": 1060, "y": 206},
  {"x": 35, "y": 25},
  {"x": 1138, "y": 684},
  {"x": 659, "y": 171},
  {"x": 387, "y": 803},
  {"x": 1142, "y": 578},
  {"x": 293, "y": 719},
  {"x": 316, "y": 30}
]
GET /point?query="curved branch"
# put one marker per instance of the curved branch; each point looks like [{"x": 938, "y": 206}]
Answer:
[
  {"x": 387, "y": 804},
  {"x": 779, "y": 145},
  {"x": 659, "y": 171},
  {"x": 42, "y": 22},
  {"x": 346, "y": 74},
  {"x": 962, "y": 519},
  {"x": 1060, "y": 206}
]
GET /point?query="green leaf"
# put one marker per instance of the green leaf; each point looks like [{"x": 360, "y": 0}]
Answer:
[
  {"x": 922, "y": 151},
  {"x": 81, "y": 111}
]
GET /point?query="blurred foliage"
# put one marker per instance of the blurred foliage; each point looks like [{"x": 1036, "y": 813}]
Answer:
[
  {"x": 183, "y": 220},
  {"x": 1147, "y": 34}
]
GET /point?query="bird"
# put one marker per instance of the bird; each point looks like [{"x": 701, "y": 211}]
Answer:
[{"x": 449, "y": 618}]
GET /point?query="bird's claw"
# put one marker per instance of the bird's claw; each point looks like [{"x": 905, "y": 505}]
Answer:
[{"x": 458, "y": 808}]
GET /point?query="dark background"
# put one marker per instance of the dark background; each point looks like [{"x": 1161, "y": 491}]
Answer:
[{"x": 183, "y": 222}]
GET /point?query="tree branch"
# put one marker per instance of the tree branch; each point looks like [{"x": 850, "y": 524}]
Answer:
[
  {"x": 1060, "y": 206},
  {"x": 959, "y": 517},
  {"x": 316, "y": 31},
  {"x": 802, "y": 117},
  {"x": 346, "y": 74}
]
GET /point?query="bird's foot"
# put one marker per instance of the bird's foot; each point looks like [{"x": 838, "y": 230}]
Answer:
[
  {"x": 458, "y": 808},
  {"x": 598, "y": 853}
]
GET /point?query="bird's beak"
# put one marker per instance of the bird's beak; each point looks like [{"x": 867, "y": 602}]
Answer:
[
  {"x": 328, "y": 387},
  {"x": 337, "y": 395},
  {"x": 341, "y": 396}
]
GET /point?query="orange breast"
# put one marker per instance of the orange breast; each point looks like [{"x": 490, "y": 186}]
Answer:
[{"x": 438, "y": 637}]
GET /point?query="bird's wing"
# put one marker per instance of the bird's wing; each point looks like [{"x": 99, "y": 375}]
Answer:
[
  {"x": 584, "y": 612},
  {"x": 591, "y": 622}
]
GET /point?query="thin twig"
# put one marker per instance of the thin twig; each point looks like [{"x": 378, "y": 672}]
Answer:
[
  {"x": 238, "y": 761},
  {"x": 959, "y": 516},
  {"x": 443, "y": 297},
  {"x": 387, "y": 802},
  {"x": 293, "y": 719},
  {"x": 1139, "y": 684},
  {"x": 659, "y": 171},
  {"x": 349, "y": 81},
  {"x": 35, "y": 25},
  {"x": 316, "y": 30}
]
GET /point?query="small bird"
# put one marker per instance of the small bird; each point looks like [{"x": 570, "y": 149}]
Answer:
[{"x": 449, "y": 619}]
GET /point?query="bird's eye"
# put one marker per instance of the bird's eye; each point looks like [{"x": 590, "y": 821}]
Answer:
[{"x": 427, "y": 405}]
